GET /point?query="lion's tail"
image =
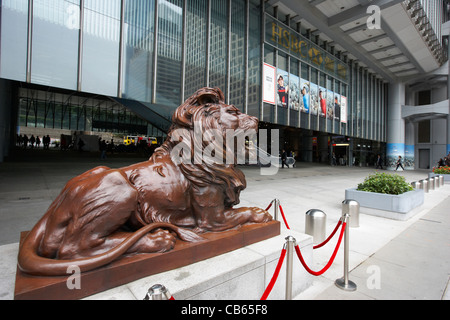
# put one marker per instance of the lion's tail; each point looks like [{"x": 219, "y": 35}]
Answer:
[{"x": 30, "y": 262}]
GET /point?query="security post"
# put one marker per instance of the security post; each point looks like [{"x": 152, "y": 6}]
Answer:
[
  {"x": 344, "y": 283},
  {"x": 431, "y": 184},
  {"x": 424, "y": 185},
  {"x": 315, "y": 225},
  {"x": 158, "y": 292},
  {"x": 290, "y": 244},
  {"x": 352, "y": 208}
]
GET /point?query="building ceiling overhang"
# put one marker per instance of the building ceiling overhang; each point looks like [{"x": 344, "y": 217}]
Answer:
[{"x": 397, "y": 49}]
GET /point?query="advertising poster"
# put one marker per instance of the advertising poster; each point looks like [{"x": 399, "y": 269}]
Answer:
[
  {"x": 322, "y": 101},
  {"x": 330, "y": 105},
  {"x": 409, "y": 157},
  {"x": 344, "y": 109},
  {"x": 394, "y": 150},
  {"x": 282, "y": 88},
  {"x": 337, "y": 107},
  {"x": 305, "y": 95},
  {"x": 269, "y": 84},
  {"x": 294, "y": 92},
  {"x": 314, "y": 99}
]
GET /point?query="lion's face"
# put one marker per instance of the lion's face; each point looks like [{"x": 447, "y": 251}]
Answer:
[
  {"x": 231, "y": 118},
  {"x": 207, "y": 106}
]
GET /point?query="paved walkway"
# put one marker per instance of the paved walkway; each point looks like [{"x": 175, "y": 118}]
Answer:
[{"x": 388, "y": 259}]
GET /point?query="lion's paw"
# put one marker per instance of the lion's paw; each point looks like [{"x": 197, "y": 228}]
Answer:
[{"x": 157, "y": 241}]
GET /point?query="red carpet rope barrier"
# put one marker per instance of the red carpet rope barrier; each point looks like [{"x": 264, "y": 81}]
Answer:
[
  {"x": 287, "y": 226},
  {"x": 330, "y": 237},
  {"x": 299, "y": 254},
  {"x": 275, "y": 275},
  {"x": 318, "y": 273},
  {"x": 284, "y": 218}
]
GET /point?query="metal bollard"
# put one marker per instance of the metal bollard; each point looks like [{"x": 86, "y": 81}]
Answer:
[
  {"x": 315, "y": 225},
  {"x": 425, "y": 186},
  {"x": 290, "y": 244},
  {"x": 158, "y": 292},
  {"x": 276, "y": 204},
  {"x": 441, "y": 179},
  {"x": 416, "y": 185},
  {"x": 352, "y": 208},
  {"x": 344, "y": 283},
  {"x": 437, "y": 182},
  {"x": 431, "y": 184}
]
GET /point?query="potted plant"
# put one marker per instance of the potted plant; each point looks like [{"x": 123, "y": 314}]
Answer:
[
  {"x": 387, "y": 195},
  {"x": 441, "y": 171}
]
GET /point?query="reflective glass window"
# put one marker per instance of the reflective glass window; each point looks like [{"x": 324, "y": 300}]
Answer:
[
  {"x": 101, "y": 39},
  {"x": 237, "y": 54},
  {"x": 170, "y": 45},
  {"x": 55, "y": 43},
  {"x": 13, "y": 39},
  {"x": 138, "y": 49},
  {"x": 254, "y": 59},
  {"x": 218, "y": 45},
  {"x": 196, "y": 46}
]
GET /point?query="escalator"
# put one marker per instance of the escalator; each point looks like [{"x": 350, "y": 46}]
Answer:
[{"x": 159, "y": 116}]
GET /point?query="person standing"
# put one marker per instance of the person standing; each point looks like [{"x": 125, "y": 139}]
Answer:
[
  {"x": 379, "y": 162},
  {"x": 283, "y": 159}
]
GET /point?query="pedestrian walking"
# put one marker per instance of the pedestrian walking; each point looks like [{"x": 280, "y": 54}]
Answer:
[{"x": 399, "y": 163}]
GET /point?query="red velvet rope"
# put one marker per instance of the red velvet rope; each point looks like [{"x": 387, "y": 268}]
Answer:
[
  {"x": 275, "y": 275},
  {"x": 270, "y": 206},
  {"x": 314, "y": 273},
  {"x": 284, "y": 218},
  {"x": 329, "y": 238}
]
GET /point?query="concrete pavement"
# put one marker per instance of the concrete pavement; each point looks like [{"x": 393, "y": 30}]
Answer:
[{"x": 389, "y": 259}]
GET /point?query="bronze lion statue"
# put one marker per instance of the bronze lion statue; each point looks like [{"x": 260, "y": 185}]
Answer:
[{"x": 106, "y": 213}]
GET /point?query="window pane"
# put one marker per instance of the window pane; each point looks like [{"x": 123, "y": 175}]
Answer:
[
  {"x": 196, "y": 46},
  {"x": 14, "y": 30},
  {"x": 55, "y": 43},
  {"x": 138, "y": 51},
  {"x": 101, "y": 46},
  {"x": 237, "y": 54},
  {"x": 170, "y": 41},
  {"x": 218, "y": 43},
  {"x": 254, "y": 59}
]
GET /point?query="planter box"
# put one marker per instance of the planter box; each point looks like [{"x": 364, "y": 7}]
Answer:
[
  {"x": 446, "y": 176},
  {"x": 398, "y": 207}
]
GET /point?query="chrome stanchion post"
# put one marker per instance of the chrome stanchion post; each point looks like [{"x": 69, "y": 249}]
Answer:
[
  {"x": 290, "y": 244},
  {"x": 158, "y": 292},
  {"x": 344, "y": 283},
  {"x": 276, "y": 209}
]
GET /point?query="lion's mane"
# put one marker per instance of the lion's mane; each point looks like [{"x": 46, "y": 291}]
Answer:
[{"x": 204, "y": 108}]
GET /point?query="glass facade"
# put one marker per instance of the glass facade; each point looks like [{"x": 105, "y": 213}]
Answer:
[
  {"x": 56, "y": 111},
  {"x": 139, "y": 24},
  {"x": 14, "y": 30},
  {"x": 159, "y": 52},
  {"x": 101, "y": 40},
  {"x": 55, "y": 43},
  {"x": 305, "y": 64}
]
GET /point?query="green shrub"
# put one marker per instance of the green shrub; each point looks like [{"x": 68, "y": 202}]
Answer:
[{"x": 385, "y": 183}]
